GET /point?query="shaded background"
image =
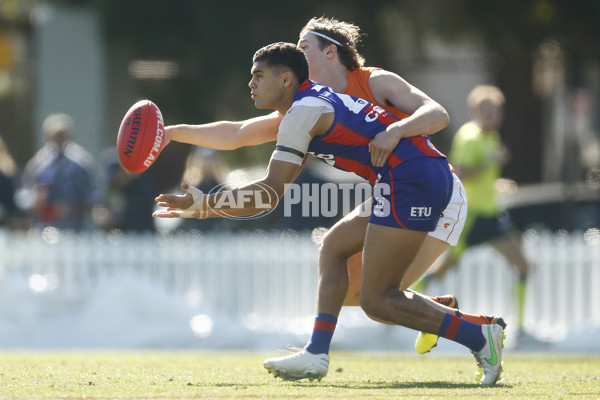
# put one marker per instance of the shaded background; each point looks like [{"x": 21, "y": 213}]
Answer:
[
  {"x": 91, "y": 59},
  {"x": 94, "y": 59}
]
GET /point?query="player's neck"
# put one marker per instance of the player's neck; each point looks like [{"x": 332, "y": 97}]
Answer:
[
  {"x": 336, "y": 77},
  {"x": 286, "y": 100}
]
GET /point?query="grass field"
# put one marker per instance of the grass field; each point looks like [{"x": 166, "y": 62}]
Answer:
[{"x": 233, "y": 375}]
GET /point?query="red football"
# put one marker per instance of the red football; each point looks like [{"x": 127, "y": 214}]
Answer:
[{"x": 141, "y": 136}]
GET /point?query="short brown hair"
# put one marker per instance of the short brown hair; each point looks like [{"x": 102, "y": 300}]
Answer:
[
  {"x": 483, "y": 93},
  {"x": 344, "y": 32}
]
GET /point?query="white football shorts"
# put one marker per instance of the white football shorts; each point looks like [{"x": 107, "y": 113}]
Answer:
[{"x": 452, "y": 221}]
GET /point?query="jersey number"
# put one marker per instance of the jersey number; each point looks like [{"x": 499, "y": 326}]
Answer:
[{"x": 328, "y": 158}]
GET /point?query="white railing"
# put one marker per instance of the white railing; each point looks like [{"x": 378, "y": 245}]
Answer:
[
  {"x": 273, "y": 276},
  {"x": 267, "y": 274},
  {"x": 562, "y": 294}
]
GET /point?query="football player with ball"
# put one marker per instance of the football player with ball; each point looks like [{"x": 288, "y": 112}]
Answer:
[{"x": 407, "y": 173}]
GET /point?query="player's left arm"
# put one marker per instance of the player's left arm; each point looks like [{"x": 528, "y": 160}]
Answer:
[
  {"x": 250, "y": 199},
  {"x": 426, "y": 116}
]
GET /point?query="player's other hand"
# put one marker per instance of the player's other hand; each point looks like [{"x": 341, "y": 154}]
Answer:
[
  {"x": 381, "y": 146},
  {"x": 188, "y": 205}
]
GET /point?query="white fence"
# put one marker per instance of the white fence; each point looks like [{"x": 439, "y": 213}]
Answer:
[
  {"x": 267, "y": 274},
  {"x": 562, "y": 289},
  {"x": 273, "y": 276}
]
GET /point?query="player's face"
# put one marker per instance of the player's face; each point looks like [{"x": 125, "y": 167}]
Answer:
[
  {"x": 315, "y": 57},
  {"x": 266, "y": 87}
]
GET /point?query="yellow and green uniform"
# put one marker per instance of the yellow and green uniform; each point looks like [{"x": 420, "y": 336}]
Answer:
[{"x": 473, "y": 147}]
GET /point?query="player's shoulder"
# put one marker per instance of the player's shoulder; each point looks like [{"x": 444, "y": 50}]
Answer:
[
  {"x": 379, "y": 74},
  {"x": 309, "y": 101},
  {"x": 384, "y": 81},
  {"x": 363, "y": 72}
]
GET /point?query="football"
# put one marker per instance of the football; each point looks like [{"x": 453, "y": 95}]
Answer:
[{"x": 141, "y": 136}]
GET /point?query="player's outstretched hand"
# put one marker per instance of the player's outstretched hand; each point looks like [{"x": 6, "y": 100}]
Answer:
[{"x": 188, "y": 205}]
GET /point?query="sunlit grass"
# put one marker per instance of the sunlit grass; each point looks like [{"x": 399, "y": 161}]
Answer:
[{"x": 239, "y": 375}]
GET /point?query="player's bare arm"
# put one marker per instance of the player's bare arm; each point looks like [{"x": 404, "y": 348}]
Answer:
[
  {"x": 227, "y": 135},
  {"x": 250, "y": 199},
  {"x": 426, "y": 115}
]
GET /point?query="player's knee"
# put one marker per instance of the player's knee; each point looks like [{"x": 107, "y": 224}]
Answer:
[
  {"x": 329, "y": 247},
  {"x": 371, "y": 305}
]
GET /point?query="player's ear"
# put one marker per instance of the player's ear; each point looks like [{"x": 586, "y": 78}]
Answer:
[
  {"x": 287, "y": 78},
  {"x": 331, "y": 51}
]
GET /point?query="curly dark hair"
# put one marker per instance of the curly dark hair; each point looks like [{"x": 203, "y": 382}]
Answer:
[{"x": 286, "y": 55}]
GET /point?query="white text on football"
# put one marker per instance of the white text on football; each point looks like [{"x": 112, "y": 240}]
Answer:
[{"x": 158, "y": 138}]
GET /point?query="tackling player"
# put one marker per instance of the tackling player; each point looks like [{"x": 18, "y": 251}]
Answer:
[
  {"x": 412, "y": 187},
  {"x": 333, "y": 59}
]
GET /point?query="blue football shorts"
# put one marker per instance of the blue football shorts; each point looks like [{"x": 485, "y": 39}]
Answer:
[{"x": 412, "y": 195}]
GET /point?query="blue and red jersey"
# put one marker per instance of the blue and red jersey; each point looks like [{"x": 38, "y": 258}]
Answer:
[{"x": 356, "y": 123}]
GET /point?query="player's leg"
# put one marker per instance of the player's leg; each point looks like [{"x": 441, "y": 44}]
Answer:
[
  {"x": 448, "y": 231},
  {"x": 392, "y": 243},
  {"x": 431, "y": 249},
  {"x": 511, "y": 247},
  {"x": 339, "y": 271},
  {"x": 340, "y": 264},
  {"x": 479, "y": 227},
  {"x": 342, "y": 243},
  {"x": 452, "y": 229},
  {"x": 441, "y": 267},
  {"x": 384, "y": 265},
  {"x": 354, "y": 266},
  {"x": 395, "y": 234},
  {"x": 343, "y": 240}
]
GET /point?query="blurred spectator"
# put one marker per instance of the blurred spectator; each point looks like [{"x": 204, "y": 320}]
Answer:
[
  {"x": 60, "y": 179},
  {"x": 206, "y": 170},
  {"x": 9, "y": 213},
  {"x": 128, "y": 199}
]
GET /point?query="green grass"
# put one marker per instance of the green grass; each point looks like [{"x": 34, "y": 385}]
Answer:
[{"x": 233, "y": 375}]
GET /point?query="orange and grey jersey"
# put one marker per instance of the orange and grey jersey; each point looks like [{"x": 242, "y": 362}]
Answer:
[{"x": 358, "y": 85}]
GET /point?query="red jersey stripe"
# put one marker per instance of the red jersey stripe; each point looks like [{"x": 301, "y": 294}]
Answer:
[
  {"x": 426, "y": 147},
  {"x": 305, "y": 85},
  {"x": 394, "y": 160},
  {"x": 342, "y": 135},
  {"x": 356, "y": 167}
]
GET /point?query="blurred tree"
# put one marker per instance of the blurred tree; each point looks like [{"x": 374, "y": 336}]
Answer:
[
  {"x": 514, "y": 30},
  {"x": 213, "y": 42}
]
